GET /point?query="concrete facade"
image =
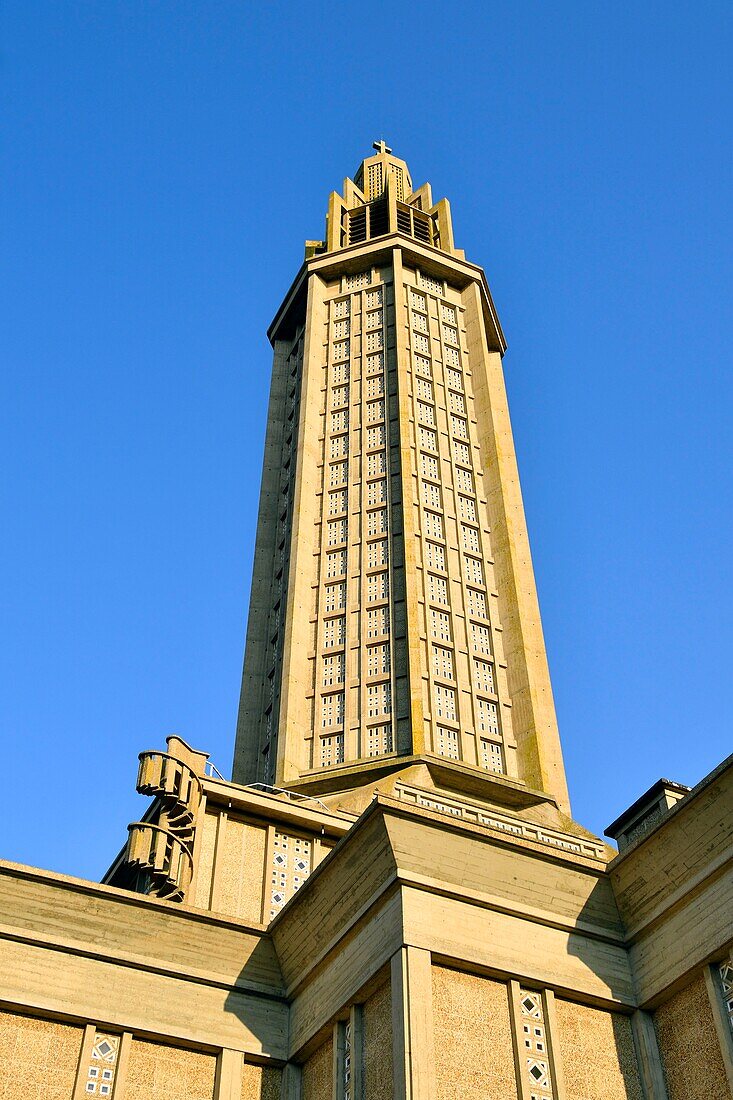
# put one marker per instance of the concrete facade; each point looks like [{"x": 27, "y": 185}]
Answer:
[{"x": 390, "y": 899}]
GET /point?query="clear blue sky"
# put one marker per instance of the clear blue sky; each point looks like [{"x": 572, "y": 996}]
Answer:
[{"x": 163, "y": 164}]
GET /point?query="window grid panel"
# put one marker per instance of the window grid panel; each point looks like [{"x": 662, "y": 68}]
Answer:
[
  {"x": 725, "y": 971},
  {"x": 488, "y": 718},
  {"x": 484, "y": 676},
  {"x": 456, "y": 403},
  {"x": 467, "y": 508},
  {"x": 335, "y": 597},
  {"x": 446, "y": 743},
  {"x": 379, "y": 700},
  {"x": 342, "y": 308},
  {"x": 375, "y": 410},
  {"x": 424, "y": 389},
  {"x": 437, "y": 589},
  {"x": 452, "y": 357},
  {"x": 423, "y": 366},
  {"x": 338, "y": 502},
  {"x": 491, "y": 756},
  {"x": 339, "y": 396},
  {"x": 337, "y": 532},
  {"x": 429, "y": 467},
  {"x": 433, "y": 524},
  {"x": 355, "y": 282},
  {"x": 375, "y": 386},
  {"x": 428, "y": 439},
  {"x": 377, "y": 587},
  {"x": 376, "y": 437},
  {"x": 470, "y": 539},
  {"x": 459, "y": 427},
  {"x": 338, "y": 473},
  {"x": 331, "y": 750},
  {"x": 340, "y": 421},
  {"x": 377, "y": 492},
  {"x": 464, "y": 480},
  {"x": 476, "y": 604},
  {"x": 332, "y": 710},
  {"x": 462, "y": 452},
  {"x": 334, "y": 632},
  {"x": 377, "y": 554},
  {"x": 429, "y": 282},
  {"x": 377, "y": 521},
  {"x": 435, "y": 556},
  {"x": 376, "y": 463},
  {"x": 378, "y": 659},
  {"x": 443, "y": 663},
  {"x": 431, "y": 495},
  {"x": 454, "y": 378},
  {"x": 334, "y": 669},
  {"x": 375, "y": 363},
  {"x": 339, "y": 446},
  {"x": 481, "y": 639},
  {"x": 440, "y": 625},
  {"x": 474, "y": 570},
  {"x": 377, "y": 622},
  {"x": 379, "y": 740},
  {"x": 347, "y": 1074},
  {"x": 445, "y": 702},
  {"x": 339, "y": 373},
  {"x": 426, "y": 414},
  {"x": 374, "y": 298}
]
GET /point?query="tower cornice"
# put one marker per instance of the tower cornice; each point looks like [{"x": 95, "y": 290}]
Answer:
[{"x": 350, "y": 260}]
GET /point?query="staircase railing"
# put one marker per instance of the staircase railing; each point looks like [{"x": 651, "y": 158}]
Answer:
[{"x": 159, "y": 853}]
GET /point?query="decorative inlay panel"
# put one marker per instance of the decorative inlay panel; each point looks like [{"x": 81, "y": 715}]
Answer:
[
  {"x": 348, "y": 1094},
  {"x": 534, "y": 1041},
  {"x": 292, "y": 861},
  {"x": 726, "y": 980},
  {"x": 102, "y": 1067}
]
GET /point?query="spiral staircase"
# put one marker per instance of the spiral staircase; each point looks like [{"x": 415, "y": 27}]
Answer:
[{"x": 159, "y": 851}]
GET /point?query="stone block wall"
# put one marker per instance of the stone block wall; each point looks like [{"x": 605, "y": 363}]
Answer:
[
  {"x": 38, "y": 1058},
  {"x": 688, "y": 1044},
  {"x": 377, "y": 1045},
  {"x": 472, "y": 1037},
  {"x": 44, "y": 1059},
  {"x": 597, "y": 1053},
  {"x": 260, "y": 1083},
  {"x": 317, "y": 1074},
  {"x": 158, "y": 1072}
]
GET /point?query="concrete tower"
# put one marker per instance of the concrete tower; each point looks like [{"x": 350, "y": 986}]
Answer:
[
  {"x": 389, "y": 901},
  {"x": 393, "y": 618}
]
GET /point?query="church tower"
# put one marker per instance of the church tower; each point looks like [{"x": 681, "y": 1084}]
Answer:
[
  {"x": 389, "y": 900},
  {"x": 393, "y": 618}
]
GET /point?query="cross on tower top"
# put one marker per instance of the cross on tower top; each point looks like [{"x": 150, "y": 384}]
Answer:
[{"x": 381, "y": 147}]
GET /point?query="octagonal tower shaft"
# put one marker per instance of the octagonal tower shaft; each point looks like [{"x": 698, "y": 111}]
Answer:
[{"x": 393, "y": 616}]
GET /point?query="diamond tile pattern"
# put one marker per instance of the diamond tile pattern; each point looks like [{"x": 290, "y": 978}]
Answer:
[
  {"x": 292, "y": 862},
  {"x": 534, "y": 1035},
  {"x": 100, "y": 1080}
]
